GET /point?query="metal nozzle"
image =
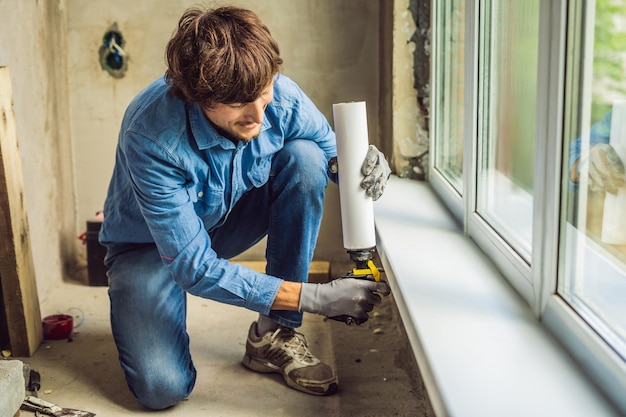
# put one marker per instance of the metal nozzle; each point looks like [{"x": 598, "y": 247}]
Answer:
[{"x": 361, "y": 256}]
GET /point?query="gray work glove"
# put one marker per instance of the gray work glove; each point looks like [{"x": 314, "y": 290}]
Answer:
[
  {"x": 342, "y": 297},
  {"x": 606, "y": 169},
  {"x": 376, "y": 171}
]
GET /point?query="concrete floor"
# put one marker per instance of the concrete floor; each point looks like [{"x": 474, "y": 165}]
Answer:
[{"x": 376, "y": 370}]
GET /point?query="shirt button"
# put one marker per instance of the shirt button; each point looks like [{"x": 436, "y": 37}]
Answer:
[{"x": 200, "y": 194}]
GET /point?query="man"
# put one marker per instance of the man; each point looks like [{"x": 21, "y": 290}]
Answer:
[{"x": 221, "y": 153}]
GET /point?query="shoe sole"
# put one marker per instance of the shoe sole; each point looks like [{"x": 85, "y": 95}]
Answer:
[{"x": 328, "y": 387}]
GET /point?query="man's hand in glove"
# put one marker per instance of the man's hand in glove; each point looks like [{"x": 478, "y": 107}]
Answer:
[
  {"x": 606, "y": 169},
  {"x": 342, "y": 297},
  {"x": 376, "y": 172}
]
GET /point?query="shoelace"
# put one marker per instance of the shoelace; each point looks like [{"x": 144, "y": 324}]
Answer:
[{"x": 295, "y": 342}]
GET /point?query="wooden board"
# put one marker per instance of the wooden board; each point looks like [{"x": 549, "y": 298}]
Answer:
[
  {"x": 319, "y": 271},
  {"x": 17, "y": 272}
]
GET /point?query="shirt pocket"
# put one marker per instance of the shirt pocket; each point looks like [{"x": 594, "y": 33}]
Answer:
[
  {"x": 200, "y": 194},
  {"x": 260, "y": 172}
]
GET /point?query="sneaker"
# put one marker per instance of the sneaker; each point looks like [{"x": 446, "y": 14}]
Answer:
[{"x": 286, "y": 352}]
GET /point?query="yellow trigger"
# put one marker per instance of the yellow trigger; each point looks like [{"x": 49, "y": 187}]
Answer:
[{"x": 372, "y": 270}]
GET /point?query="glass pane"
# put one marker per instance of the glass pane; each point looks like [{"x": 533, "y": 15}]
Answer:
[
  {"x": 449, "y": 144},
  {"x": 506, "y": 138},
  {"x": 593, "y": 258}
]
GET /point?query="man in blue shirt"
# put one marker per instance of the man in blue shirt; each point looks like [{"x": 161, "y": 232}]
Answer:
[{"x": 221, "y": 152}]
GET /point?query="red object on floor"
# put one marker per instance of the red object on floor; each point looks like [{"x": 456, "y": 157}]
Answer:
[{"x": 58, "y": 326}]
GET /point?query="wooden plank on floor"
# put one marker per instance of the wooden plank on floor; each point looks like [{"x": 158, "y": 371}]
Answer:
[
  {"x": 319, "y": 271},
  {"x": 17, "y": 272}
]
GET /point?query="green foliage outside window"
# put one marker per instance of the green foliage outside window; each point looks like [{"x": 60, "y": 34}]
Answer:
[{"x": 609, "y": 61}]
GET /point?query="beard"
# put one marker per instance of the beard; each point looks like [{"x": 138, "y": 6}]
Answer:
[{"x": 233, "y": 136}]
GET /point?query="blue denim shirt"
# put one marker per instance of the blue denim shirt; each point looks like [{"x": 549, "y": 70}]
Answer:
[{"x": 176, "y": 179}]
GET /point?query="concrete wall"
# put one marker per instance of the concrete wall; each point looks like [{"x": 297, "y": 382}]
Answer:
[
  {"x": 411, "y": 86},
  {"x": 68, "y": 109},
  {"x": 32, "y": 46}
]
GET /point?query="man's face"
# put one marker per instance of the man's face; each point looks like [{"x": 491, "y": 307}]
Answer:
[{"x": 240, "y": 121}]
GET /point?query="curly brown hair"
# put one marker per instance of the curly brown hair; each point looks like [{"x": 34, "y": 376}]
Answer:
[{"x": 224, "y": 55}]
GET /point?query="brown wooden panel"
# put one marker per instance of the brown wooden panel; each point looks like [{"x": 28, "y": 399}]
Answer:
[
  {"x": 17, "y": 274},
  {"x": 319, "y": 271}
]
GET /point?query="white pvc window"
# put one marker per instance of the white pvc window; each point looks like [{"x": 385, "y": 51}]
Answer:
[
  {"x": 592, "y": 257},
  {"x": 450, "y": 72},
  {"x": 506, "y": 136},
  {"x": 538, "y": 81}
]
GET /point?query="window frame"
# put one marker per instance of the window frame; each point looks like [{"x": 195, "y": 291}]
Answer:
[
  {"x": 464, "y": 207},
  {"x": 604, "y": 366},
  {"x": 535, "y": 281},
  {"x": 451, "y": 197}
]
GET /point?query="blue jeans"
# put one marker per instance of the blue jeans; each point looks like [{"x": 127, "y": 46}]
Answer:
[{"x": 148, "y": 308}]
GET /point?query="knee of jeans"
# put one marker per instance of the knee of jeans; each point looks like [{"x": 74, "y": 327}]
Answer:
[
  {"x": 306, "y": 162},
  {"x": 159, "y": 392}
]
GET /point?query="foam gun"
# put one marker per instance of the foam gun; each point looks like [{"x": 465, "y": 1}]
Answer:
[{"x": 357, "y": 209}]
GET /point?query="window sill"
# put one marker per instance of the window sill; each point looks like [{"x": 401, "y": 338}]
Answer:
[{"x": 480, "y": 349}]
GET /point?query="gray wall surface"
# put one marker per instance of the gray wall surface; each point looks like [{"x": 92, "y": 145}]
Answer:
[{"x": 32, "y": 46}]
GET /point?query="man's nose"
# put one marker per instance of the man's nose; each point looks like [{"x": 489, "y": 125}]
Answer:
[{"x": 255, "y": 110}]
